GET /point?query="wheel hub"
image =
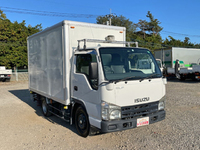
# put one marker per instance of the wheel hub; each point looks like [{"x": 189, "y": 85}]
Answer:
[
  {"x": 44, "y": 108},
  {"x": 81, "y": 121}
]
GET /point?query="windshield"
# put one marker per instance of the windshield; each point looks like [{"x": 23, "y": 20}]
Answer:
[{"x": 128, "y": 63}]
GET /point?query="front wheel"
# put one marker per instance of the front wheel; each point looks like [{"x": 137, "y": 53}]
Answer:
[
  {"x": 82, "y": 122},
  {"x": 4, "y": 80}
]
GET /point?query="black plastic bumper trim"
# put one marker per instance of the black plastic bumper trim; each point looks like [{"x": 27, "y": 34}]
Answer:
[{"x": 119, "y": 125}]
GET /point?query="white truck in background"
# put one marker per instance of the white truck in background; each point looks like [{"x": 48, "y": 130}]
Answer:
[
  {"x": 85, "y": 74},
  {"x": 5, "y": 74},
  {"x": 180, "y": 62}
]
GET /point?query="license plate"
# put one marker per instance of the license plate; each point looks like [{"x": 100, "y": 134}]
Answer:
[
  {"x": 2, "y": 75},
  {"x": 142, "y": 121}
]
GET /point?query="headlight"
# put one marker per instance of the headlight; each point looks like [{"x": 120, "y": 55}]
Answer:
[
  {"x": 115, "y": 114},
  {"x": 161, "y": 104},
  {"x": 110, "y": 111}
]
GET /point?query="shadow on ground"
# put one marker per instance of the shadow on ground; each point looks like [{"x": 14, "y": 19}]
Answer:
[{"x": 25, "y": 96}]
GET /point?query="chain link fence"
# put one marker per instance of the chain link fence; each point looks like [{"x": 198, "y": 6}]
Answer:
[{"x": 19, "y": 75}]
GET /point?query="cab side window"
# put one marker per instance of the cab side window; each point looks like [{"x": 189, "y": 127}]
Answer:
[
  {"x": 82, "y": 63},
  {"x": 82, "y": 66}
]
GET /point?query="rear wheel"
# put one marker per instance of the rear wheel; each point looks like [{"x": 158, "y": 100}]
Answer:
[
  {"x": 182, "y": 78},
  {"x": 45, "y": 108},
  {"x": 82, "y": 122}
]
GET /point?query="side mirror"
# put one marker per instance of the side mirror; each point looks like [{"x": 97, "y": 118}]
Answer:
[{"x": 93, "y": 70}]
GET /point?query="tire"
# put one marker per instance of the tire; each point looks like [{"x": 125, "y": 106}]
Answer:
[
  {"x": 182, "y": 78},
  {"x": 193, "y": 78},
  {"x": 3, "y": 80},
  {"x": 45, "y": 108},
  {"x": 82, "y": 122},
  {"x": 176, "y": 69}
]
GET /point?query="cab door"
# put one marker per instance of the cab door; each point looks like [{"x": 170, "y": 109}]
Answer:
[{"x": 84, "y": 88}]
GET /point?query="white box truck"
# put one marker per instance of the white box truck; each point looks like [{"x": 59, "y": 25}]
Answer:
[
  {"x": 187, "y": 59},
  {"x": 85, "y": 74},
  {"x": 5, "y": 74}
]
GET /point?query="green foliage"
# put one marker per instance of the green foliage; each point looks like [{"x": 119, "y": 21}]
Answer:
[
  {"x": 120, "y": 21},
  {"x": 171, "y": 42},
  {"x": 153, "y": 25},
  {"x": 13, "y": 44},
  {"x": 147, "y": 32},
  {"x": 148, "y": 35}
]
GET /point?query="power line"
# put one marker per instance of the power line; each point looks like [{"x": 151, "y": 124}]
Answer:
[
  {"x": 46, "y": 13},
  {"x": 181, "y": 34},
  {"x": 58, "y": 14}
]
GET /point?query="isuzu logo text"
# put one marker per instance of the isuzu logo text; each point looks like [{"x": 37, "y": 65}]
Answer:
[{"x": 138, "y": 100}]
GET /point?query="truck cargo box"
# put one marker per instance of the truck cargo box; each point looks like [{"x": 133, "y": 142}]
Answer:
[{"x": 186, "y": 56}]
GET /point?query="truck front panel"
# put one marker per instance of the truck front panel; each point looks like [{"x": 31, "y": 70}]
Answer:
[{"x": 133, "y": 92}]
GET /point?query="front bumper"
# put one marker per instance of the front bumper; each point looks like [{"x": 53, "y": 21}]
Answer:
[{"x": 119, "y": 125}]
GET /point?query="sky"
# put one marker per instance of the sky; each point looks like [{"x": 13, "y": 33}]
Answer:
[{"x": 179, "y": 18}]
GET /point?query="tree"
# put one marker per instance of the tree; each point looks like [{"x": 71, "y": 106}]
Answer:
[
  {"x": 148, "y": 32},
  {"x": 149, "y": 27},
  {"x": 148, "y": 35},
  {"x": 187, "y": 39},
  {"x": 143, "y": 25},
  {"x": 13, "y": 44},
  {"x": 120, "y": 21},
  {"x": 178, "y": 43},
  {"x": 153, "y": 25}
]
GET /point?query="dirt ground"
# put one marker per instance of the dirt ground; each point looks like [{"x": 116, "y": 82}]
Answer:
[{"x": 23, "y": 126}]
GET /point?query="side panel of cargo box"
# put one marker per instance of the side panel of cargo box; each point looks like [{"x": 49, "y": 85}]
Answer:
[
  {"x": 186, "y": 56},
  {"x": 45, "y": 63}
]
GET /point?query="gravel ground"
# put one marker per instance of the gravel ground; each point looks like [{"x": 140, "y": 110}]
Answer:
[{"x": 22, "y": 125}]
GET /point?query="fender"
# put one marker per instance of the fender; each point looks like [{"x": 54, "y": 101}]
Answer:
[{"x": 74, "y": 106}]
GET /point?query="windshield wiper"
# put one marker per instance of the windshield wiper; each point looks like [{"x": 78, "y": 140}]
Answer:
[
  {"x": 110, "y": 81},
  {"x": 124, "y": 79},
  {"x": 150, "y": 76}
]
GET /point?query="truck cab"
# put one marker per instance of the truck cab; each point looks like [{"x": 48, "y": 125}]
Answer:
[
  {"x": 5, "y": 74},
  {"x": 119, "y": 87}
]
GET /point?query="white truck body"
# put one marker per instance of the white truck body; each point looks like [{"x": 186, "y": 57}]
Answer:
[
  {"x": 5, "y": 73},
  {"x": 55, "y": 75},
  {"x": 189, "y": 60}
]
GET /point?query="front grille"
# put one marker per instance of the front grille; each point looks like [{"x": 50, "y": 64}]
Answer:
[{"x": 143, "y": 110}]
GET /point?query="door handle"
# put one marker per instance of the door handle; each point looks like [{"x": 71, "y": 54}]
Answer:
[{"x": 75, "y": 88}]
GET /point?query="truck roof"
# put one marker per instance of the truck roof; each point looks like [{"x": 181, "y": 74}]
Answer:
[{"x": 75, "y": 23}]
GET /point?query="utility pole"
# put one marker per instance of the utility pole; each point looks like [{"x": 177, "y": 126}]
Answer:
[{"x": 110, "y": 16}]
